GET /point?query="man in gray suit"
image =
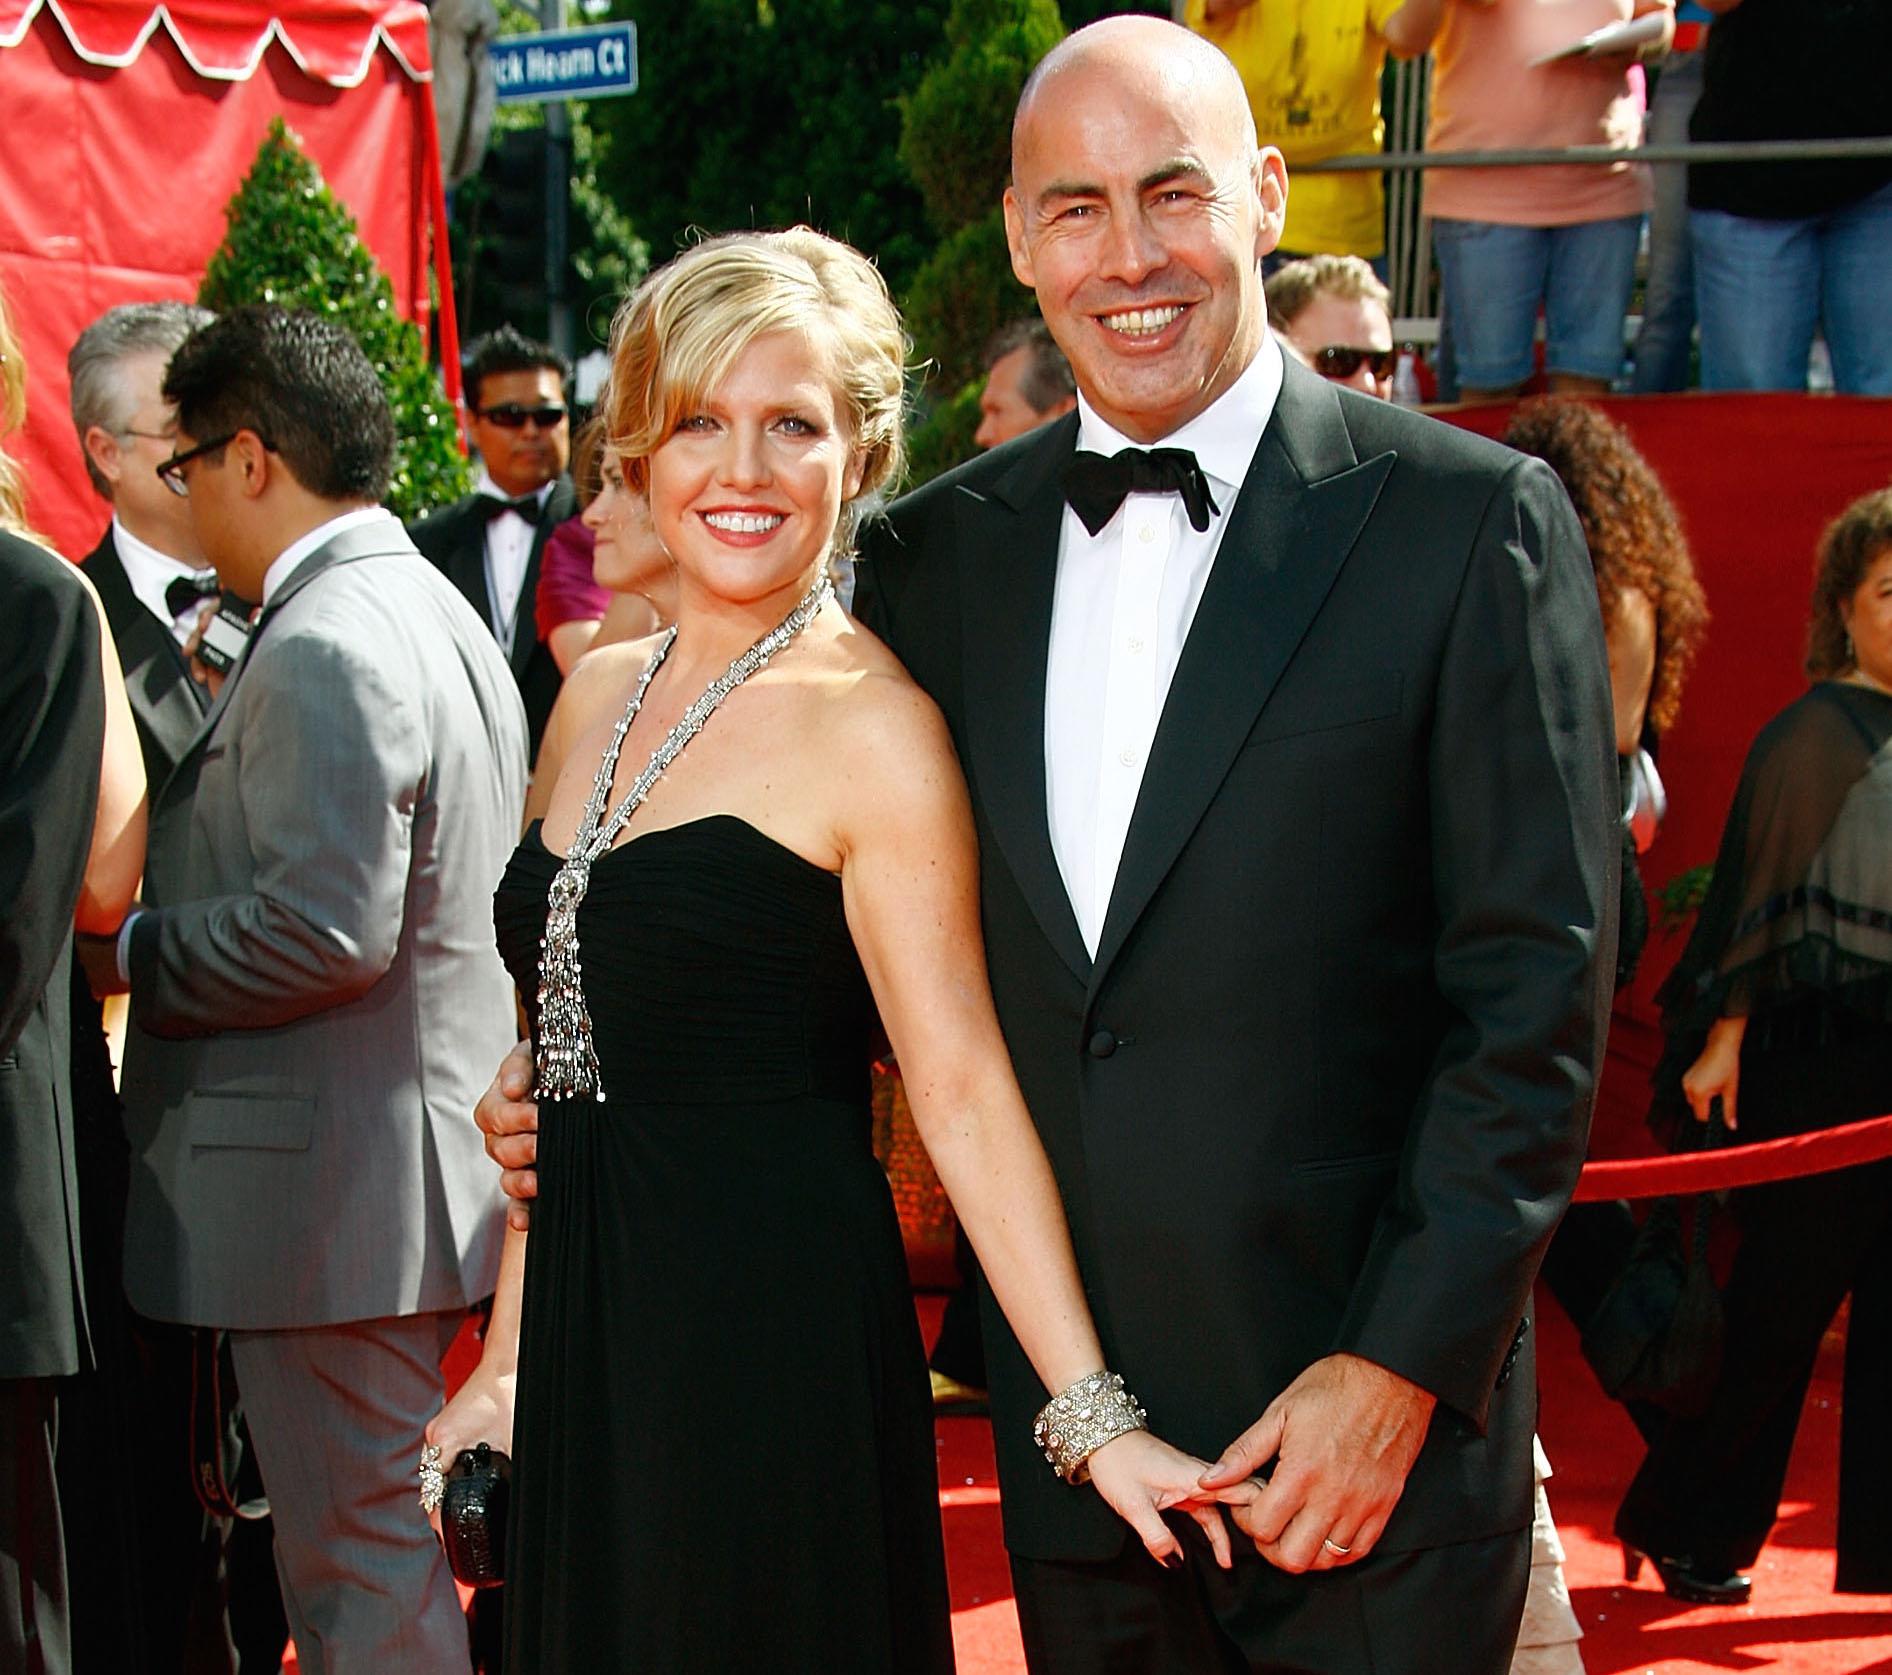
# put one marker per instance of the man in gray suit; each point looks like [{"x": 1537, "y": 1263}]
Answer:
[{"x": 314, "y": 982}]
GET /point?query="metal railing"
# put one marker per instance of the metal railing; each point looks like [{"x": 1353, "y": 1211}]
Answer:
[{"x": 1406, "y": 99}]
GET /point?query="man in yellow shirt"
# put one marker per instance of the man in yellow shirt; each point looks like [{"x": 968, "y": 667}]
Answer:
[{"x": 1312, "y": 71}]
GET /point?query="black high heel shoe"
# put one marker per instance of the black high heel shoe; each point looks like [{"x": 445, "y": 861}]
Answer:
[{"x": 1684, "y": 1579}]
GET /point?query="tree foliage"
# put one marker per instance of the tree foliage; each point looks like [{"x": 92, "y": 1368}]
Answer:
[
  {"x": 763, "y": 113},
  {"x": 956, "y": 142},
  {"x": 291, "y": 241}
]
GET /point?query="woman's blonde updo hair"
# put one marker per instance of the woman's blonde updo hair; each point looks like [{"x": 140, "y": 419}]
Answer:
[
  {"x": 679, "y": 332},
  {"x": 12, "y": 416}
]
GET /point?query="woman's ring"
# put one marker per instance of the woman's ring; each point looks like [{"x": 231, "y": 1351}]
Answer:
[
  {"x": 1335, "y": 1547},
  {"x": 432, "y": 1485}
]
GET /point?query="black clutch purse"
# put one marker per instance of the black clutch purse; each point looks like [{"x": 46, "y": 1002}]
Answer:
[{"x": 473, "y": 1515}]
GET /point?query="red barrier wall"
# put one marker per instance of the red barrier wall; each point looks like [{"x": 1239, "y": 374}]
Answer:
[{"x": 1756, "y": 478}]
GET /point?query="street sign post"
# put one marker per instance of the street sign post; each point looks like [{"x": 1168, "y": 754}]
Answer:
[{"x": 594, "y": 63}]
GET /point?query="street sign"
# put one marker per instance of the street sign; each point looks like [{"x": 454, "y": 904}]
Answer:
[{"x": 595, "y": 63}]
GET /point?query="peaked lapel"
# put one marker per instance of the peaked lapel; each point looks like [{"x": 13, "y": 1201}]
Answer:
[
  {"x": 166, "y": 703},
  {"x": 1293, "y": 524},
  {"x": 464, "y": 557},
  {"x": 1010, "y": 570},
  {"x": 559, "y": 505}
]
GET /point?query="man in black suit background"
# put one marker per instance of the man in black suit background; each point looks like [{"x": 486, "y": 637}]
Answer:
[
  {"x": 52, "y": 739},
  {"x": 151, "y": 576},
  {"x": 1286, "y": 719},
  {"x": 1290, "y": 752},
  {"x": 488, "y": 544}
]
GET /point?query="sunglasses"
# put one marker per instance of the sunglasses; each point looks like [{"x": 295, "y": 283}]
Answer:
[
  {"x": 171, "y": 472},
  {"x": 1339, "y": 360},
  {"x": 509, "y": 415}
]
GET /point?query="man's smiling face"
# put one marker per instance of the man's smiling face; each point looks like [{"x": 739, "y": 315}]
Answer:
[{"x": 1139, "y": 212}]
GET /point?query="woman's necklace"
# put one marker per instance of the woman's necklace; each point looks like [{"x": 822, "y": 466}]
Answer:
[{"x": 568, "y": 1062}]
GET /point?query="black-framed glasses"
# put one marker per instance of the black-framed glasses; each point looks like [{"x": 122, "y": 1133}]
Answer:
[
  {"x": 509, "y": 415},
  {"x": 171, "y": 472},
  {"x": 1341, "y": 360}
]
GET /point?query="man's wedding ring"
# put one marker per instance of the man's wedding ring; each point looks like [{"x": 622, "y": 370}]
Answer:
[
  {"x": 432, "y": 1485},
  {"x": 1325, "y": 1541}
]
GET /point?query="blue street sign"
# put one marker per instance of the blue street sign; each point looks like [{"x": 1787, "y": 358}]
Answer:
[{"x": 596, "y": 63}]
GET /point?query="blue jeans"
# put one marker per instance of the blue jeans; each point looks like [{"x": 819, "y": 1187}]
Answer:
[
  {"x": 1668, "y": 310},
  {"x": 1497, "y": 276},
  {"x": 1761, "y": 287}
]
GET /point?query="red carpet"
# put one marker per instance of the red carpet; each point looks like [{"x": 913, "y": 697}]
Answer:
[{"x": 1795, "y": 1625}]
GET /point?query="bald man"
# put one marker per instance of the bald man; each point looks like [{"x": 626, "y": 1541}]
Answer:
[
  {"x": 1294, "y": 780},
  {"x": 1290, "y": 748}
]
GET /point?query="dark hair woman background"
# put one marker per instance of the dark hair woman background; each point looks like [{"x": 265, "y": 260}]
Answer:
[
  {"x": 1781, "y": 1008},
  {"x": 1654, "y": 618}
]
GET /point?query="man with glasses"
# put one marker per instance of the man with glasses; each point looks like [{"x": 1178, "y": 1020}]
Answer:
[
  {"x": 489, "y": 544},
  {"x": 153, "y": 583},
  {"x": 1334, "y": 314},
  {"x": 313, "y": 980}
]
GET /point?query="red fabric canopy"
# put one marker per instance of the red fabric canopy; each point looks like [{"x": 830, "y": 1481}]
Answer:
[
  {"x": 128, "y": 128},
  {"x": 330, "y": 41}
]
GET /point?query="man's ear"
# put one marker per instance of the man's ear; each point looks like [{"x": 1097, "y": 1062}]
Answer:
[
  {"x": 251, "y": 462},
  {"x": 1015, "y": 238},
  {"x": 102, "y": 449},
  {"x": 1271, "y": 188}
]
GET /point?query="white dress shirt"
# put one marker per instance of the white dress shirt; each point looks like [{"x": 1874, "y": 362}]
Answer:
[
  {"x": 290, "y": 558},
  {"x": 1124, "y": 601},
  {"x": 150, "y": 572},
  {"x": 508, "y": 553}
]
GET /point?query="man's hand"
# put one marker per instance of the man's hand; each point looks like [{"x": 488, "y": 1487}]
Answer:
[
  {"x": 509, "y": 1119},
  {"x": 1343, "y": 1436},
  {"x": 211, "y": 680}
]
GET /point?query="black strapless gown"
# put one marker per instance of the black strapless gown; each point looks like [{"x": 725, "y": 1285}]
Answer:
[{"x": 723, "y": 1446}]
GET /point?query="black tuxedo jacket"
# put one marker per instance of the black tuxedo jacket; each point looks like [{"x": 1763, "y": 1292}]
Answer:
[
  {"x": 455, "y": 540},
  {"x": 52, "y": 736},
  {"x": 167, "y": 705},
  {"x": 1326, "y": 1085}
]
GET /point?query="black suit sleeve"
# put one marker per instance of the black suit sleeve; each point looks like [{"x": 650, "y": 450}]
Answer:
[
  {"x": 52, "y": 739},
  {"x": 1524, "y": 857}
]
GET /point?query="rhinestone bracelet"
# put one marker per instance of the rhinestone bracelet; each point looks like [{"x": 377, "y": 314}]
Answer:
[{"x": 1080, "y": 1419}]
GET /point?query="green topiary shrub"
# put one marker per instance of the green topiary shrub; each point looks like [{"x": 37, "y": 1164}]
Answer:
[{"x": 291, "y": 242}]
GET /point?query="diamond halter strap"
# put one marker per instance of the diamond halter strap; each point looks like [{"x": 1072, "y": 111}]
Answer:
[{"x": 568, "y": 1062}]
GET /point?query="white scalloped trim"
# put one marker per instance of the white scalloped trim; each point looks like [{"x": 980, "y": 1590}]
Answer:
[{"x": 378, "y": 37}]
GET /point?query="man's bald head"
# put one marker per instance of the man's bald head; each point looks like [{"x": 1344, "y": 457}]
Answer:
[
  {"x": 1143, "y": 50},
  {"x": 1139, "y": 211}
]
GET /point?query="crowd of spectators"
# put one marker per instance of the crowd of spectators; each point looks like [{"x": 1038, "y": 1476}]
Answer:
[{"x": 1772, "y": 256}]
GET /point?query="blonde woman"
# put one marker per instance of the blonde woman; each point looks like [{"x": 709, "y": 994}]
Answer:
[{"x": 723, "y": 1433}]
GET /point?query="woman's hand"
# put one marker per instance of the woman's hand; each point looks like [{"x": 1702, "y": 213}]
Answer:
[
  {"x": 1141, "y": 1477},
  {"x": 481, "y": 1411},
  {"x": 1717, "y": 1073}
]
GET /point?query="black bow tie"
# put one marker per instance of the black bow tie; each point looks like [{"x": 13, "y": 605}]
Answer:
[
  {"x": 1096, "y": 485},
  {"x": 496, "y": 506},
  {"x": 185, "y": 593}
]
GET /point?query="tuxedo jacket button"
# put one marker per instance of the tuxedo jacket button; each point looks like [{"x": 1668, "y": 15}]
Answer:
[{"x": 1102, "y": 1044}]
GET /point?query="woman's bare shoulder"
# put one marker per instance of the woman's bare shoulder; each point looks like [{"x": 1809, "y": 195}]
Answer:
[{"x": 601, "y": 680}]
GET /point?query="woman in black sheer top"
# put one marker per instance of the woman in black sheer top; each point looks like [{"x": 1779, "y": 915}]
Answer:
[{"x": 1781, "y": 1010}]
